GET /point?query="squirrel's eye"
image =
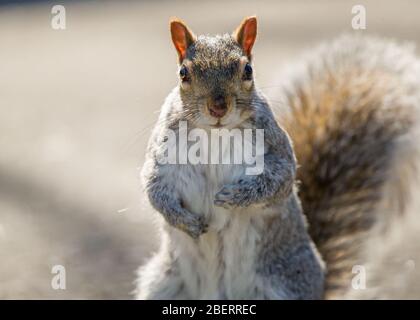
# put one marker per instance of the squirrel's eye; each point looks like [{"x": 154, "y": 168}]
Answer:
[
  {"x": 247, "y": 72},
  {"x": 183, "y": 73}
]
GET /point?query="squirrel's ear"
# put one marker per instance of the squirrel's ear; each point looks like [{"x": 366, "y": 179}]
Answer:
[
  {"x": 246, "y": 34},
  {"x": 182, "y": 37}
]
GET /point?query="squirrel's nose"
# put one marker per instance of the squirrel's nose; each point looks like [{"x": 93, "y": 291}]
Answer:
[{"x": 218, "y": 107}]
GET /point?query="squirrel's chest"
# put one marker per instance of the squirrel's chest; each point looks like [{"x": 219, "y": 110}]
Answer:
[{"x": 198, "y": 185}]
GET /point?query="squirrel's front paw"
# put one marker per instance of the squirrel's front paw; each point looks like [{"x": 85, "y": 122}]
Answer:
[
  {"x": 233, "y": 195},
  {"x": 193, "y": 225}
]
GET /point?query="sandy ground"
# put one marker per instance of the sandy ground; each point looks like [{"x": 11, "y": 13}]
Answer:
[{"x": 76, "y": 109}]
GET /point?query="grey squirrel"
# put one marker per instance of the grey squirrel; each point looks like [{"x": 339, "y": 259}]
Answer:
[{"x": 228, "y": 235}]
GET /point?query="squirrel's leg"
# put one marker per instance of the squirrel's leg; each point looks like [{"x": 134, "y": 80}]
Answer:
[
  {"x": 163, "y": 198},
  {"x": 276, "y": 180},
  {"x": 297, "y": 274}
]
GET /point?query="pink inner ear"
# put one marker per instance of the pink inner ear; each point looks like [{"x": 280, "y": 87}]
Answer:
[
  {"x": 179, "y": 38},
  {"x": 249, "y": 35}
]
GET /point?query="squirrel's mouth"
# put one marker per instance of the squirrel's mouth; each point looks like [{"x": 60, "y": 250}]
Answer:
[
  {"x": 218, "y": 124},
  {"x": 229, "y": 118}
]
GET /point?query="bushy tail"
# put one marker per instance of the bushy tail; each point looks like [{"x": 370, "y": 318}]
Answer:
[{"x": 352, "y": 116}]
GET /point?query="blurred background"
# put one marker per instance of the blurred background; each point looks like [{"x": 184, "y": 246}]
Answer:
[{"x": 76, "y": 110}]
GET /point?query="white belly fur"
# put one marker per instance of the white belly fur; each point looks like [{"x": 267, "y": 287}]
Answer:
[{"x": 220, "y": 264}]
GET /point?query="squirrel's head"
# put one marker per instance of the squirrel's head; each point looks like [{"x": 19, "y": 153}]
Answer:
[{"x": 215, "y": 74}]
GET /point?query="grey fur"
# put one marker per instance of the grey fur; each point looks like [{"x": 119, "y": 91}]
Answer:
[
  {"x": 352, "y": 111},
  {"x": 227, "y": 235}
]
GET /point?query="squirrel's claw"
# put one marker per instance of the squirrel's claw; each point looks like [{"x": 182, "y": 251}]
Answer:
[
  {"x": 232, "y": 195},
  {"x": 193, "y": 225}
]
